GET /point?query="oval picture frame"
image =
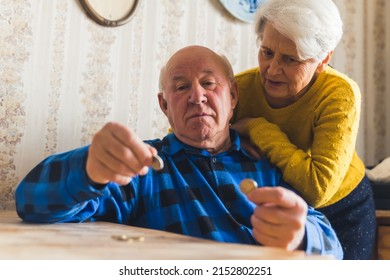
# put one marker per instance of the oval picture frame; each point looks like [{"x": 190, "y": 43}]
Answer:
[{"x": 110, "y": 13}]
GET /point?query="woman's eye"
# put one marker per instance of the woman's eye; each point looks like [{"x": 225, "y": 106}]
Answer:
[
  {"x": 289, "y": 59},
  {"x": 267, "y": 53}
]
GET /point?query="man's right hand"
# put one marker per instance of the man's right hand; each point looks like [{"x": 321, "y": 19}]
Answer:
[{"x": 117, "y": 155}]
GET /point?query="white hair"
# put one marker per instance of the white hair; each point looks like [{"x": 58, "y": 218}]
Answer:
[{"x": 315, "y": 26}]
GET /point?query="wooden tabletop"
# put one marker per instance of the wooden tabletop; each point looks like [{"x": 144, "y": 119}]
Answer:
[{"x": 99, "y": 240}]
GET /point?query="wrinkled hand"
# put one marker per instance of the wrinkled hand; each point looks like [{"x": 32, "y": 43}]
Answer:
[
  {"x": 251, "y": 149},
  {"x": 241, "y": 127},
  {"x": 279, "y": 217},
  {"x": 117, "y": 154}
]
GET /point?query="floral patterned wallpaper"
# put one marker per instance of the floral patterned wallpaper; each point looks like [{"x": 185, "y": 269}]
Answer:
[
  {"x": 16, "y": 37},
  {"x": 62, "y": 76}
]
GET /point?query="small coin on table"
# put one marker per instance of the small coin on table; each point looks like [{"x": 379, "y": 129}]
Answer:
[{"x": 124, "y": 237}]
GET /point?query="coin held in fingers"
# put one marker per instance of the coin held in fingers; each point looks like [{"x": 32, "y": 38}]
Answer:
[
  {"x": 157, "y": 163},
  {"x": 248, "y": 185}
]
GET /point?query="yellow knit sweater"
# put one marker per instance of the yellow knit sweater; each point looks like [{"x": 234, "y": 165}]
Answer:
[{"x": 312, "y": 140}]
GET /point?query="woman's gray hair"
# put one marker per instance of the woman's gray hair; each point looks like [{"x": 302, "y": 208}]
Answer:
[{"x": 315, "y": 26}]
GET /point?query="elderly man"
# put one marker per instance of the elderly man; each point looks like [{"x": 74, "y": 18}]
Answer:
[{"x": 197, "y": 192}]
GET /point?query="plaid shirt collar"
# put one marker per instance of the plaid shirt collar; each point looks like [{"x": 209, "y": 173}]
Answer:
[{"x": 172, "y": 145}]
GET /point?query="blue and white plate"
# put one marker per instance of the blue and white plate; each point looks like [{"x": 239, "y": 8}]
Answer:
[{"x": 242, "y": 9}]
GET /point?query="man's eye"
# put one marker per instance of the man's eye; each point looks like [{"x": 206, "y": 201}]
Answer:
[
  {"x": 181, "y": 87},
  {"x": 209, "y": 84}
]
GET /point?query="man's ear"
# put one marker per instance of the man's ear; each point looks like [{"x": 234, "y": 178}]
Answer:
[
  {"x": 321, "y": 66},
  {"x": 234, "y": 94},
  {"x": 162, "y": 102}
]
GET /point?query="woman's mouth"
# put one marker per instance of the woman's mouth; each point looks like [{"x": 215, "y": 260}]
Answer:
[{"x": 275, "y": 83}]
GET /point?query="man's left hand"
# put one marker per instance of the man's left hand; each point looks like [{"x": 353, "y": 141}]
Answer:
[{"x": 279, "y": 217}]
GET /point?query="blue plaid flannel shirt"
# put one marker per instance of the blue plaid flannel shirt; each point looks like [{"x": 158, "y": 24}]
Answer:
[{"x": 195, "y": 194}]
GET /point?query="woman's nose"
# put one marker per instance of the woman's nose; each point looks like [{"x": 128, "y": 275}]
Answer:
[{"x": 274, "y": 67}]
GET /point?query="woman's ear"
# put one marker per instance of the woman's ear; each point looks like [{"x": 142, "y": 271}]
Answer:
[
  {"x": 162, "y": 102},
  {"x": 321, "y": 66}
]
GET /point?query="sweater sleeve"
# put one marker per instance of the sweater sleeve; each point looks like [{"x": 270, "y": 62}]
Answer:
[
  {"x": 318, "y": 172},
  {"x": 59, "y": 190}
]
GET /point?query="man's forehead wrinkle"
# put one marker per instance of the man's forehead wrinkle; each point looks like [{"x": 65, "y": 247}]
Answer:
[{"x": 180, "y": 76}]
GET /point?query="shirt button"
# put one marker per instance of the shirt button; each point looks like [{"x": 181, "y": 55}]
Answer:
[{"x": 213, "y": 160}]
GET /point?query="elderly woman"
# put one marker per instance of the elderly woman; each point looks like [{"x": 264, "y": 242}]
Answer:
[{"x": 303, "y": 115}]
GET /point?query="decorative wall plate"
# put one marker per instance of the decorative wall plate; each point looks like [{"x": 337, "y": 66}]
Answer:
[
  {"x": 242, "y": 9},
  {"x": 110, "y": 12}
]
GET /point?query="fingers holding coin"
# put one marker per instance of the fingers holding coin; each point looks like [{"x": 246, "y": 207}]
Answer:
[
  {"x": 157, "y": 163},
  {"x": 247, "y": 185}
]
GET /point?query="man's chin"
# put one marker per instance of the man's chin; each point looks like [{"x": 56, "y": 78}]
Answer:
[{"x": 195, "y": 136}]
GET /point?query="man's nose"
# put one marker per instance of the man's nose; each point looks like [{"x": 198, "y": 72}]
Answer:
[{"x": 198, "y": 94}]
